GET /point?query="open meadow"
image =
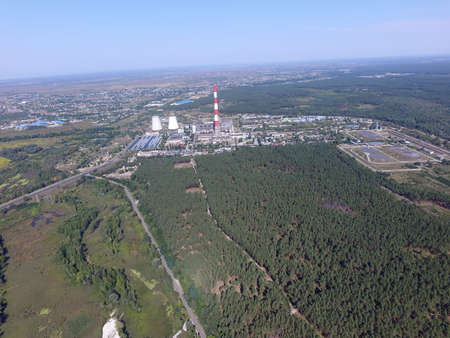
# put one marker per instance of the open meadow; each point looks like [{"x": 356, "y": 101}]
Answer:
[{"x": 45, "y": 300}]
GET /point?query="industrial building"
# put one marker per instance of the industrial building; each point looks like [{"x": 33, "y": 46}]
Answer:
[
  {"x": 175, "y": 139},
  {"x": 145, "y": 142}
]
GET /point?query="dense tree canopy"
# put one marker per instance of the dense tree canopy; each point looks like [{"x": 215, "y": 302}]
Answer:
[
  {"x": 3, "y": 301},
  {"x": 351, "y": 257},
  {"x": 229, "y": 293}
]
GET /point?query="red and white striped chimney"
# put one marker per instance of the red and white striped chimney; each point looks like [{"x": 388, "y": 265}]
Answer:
[{"x": 216, "y": 108}]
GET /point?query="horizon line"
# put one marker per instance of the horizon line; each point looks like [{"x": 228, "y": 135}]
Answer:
[{"x": 237, "y": 64}]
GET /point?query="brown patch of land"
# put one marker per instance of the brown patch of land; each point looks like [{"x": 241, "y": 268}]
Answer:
[
  {"x": 194, "y": 189},
  {"x": 186, "y": 213},
  {"x": 306, "y": 261},
  {"x": 216, "y": 288},
  {"x": 305, "y": 99},
  {"x": 366, "y": 106},
  {"x": 337, "y": 206},
  {"x": 231, "y": 279},
  {"x": 179, "y": 165},
  {"x": 425, "y": 252}
]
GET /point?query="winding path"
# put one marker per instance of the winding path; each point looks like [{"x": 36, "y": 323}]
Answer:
[{"x": 176, "y": 284}]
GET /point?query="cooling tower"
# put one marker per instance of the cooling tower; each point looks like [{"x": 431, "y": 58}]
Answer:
[
  {"x": 156, "y": 123},
  {"x": 173, "y": 124}
]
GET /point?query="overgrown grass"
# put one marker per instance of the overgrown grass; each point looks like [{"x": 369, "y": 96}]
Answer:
[
  {"x": 4, "y": 162},
  {"x": 42, "y": 142},
  {"x": 52, "y": 305}
]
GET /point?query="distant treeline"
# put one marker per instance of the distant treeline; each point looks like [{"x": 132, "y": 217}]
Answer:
[
  {"x": 93, "y": 131},
  {"x": 419, "y": 100},
  {"x": 410, "y": 101}
]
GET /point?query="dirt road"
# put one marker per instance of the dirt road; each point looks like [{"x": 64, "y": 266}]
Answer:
[{"x": 176, "y": 284}]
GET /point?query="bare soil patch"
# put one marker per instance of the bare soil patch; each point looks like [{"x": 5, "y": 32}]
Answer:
[
  {"x": 231, "y": 279},
  {"x": 216, "y": 288},
  {"x": 425, "y": 252},
  {"x": 194, "y": 189},
  {"x": 337, "y": 206},
  {"x": 179, "y": 165},
  {"x": 306, "y": 261},
  {"x": 122, "y": 173},
  {"x": 366, "y": 106},
  {"x": 186, "y": 213}
]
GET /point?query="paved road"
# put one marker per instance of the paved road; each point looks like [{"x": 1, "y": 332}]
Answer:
[
  {"x": 63, "y": 182},
  {"x": 176, "y": 284}
]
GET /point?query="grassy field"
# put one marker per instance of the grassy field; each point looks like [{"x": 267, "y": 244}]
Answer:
[
  {"x": 42, "y": 142},
  {"x": 435, "y": 178},
  {"x": 43, "y": 302},
  {"x": 4, "y": 162},
  {"x": 40, "y": 300}
]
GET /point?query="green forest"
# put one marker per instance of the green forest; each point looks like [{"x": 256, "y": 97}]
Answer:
[
  {"x": 231, "y": 296},
  {"x": 3, "y": 265},
  {"x": 350, "y": 257},
  {"x": 353, "y": 260}
]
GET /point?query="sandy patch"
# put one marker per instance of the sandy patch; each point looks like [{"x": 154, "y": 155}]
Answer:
[
  {"x": 110, "y": 329},
  {"x": 179, "y": 165},
  {"x": 194, "y": 189},
  {"x": 216, "y": 288}
]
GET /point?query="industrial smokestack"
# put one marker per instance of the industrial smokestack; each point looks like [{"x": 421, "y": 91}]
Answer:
[
  {"x": 173, "y": 124},
  {"x": 156, "y": 123},
  {"x": 216, "y": 109}
]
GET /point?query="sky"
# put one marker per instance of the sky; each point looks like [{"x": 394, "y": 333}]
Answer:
[{"x": 44, "y": 38}]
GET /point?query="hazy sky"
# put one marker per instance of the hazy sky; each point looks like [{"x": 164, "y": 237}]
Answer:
[{"x": 42, "y": 37}]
